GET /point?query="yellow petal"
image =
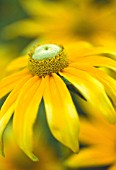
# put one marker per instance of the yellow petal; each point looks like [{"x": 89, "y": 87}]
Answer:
[
  {"x": 80, "y": 50},
  {"x": 26, "y": 113},
  {"x": 77, "y": 49},
  {"x": 92, "y": 90},
  {"x": 8, "y": 108},
  {"x": 13, "y": 95},
  {"x": 47, "y": 10},
  {"x": 92, "y": 156},
  {"x": 26, "y": 27},
  {"x": 101, "y": 50},
  {"x": 18, "y": 63},
  {"x": 95, "y": 61},
  {"x": 60, "y": 111},
  {"x": 9, "y": 82},
  {"x": 108, "y": 82},
  {"x": 3, "y": 123},
  {"x": 96, "y": 124},
  {"x": 99, "y": 128}
]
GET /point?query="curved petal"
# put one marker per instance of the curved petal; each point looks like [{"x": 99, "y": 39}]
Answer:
[
  {"x": 44, "y": 10},
  {"x": 8, "y": 108},
  {"x": 96, "y": 124},
  {"x": 9, "y": 82},
  {"x": 81, "y": 49},
  {"x": 92, "y": 90},
  {"x": 26, "y": 28},
  {"x": 92, "y": 156},
  {"x": 18, "y": 63},
  {"x": 108, "y": 82},
  {"x": 26, "y": 113},
  {"x": 77, "y": 49},
  {"x": 60, "y": 111},
  {"x": 13, "y": 95},
  {"x": 95, "y": 61},
  {"x": 101, "y": 51},
  {"x": 3, "y": 123},
  {"x": 97, "y": 127}
]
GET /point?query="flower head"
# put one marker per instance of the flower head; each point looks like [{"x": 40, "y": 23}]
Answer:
[
  {"x": 46, "y": 72},
  {"x": 100, "y": 140}
]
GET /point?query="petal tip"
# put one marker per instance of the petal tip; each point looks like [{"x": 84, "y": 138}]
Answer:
[
  {"x": 2, "y": 147},
  {"x": 2, "y": 151},
  {"x": 32, "y": 157},
  {"x": 35, "y": 159},
  {"x": 75, "y": 148},
  {"x": 111, "y": 118}
]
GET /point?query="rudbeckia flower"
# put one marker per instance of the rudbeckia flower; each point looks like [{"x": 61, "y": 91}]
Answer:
[
  {"x": 83, "y": 21},
  {"x": 100, "y": 137},
  {"x": 47, "y": 72}
]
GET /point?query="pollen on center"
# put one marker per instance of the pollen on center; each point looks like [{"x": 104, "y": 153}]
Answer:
[{"x": 46, "y": 59}]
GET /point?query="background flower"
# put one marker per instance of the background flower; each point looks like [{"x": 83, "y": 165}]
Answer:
[
  {"x": 99, "y": 141},
  {"x": 84, "y": 20}
]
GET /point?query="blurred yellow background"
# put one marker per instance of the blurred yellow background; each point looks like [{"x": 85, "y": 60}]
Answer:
[{"x": 23, "y": 22}]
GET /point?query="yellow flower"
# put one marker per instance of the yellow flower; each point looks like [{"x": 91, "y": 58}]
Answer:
[
  {"x": 48, "y": 71},
  {"x": 100, "y": 137},
  {"x": 83, "y": 21}
]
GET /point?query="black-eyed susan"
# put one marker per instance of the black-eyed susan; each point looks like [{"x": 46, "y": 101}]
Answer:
[
  {"x": 47, "y": 71},
  {"x": 100, "y": 140}
]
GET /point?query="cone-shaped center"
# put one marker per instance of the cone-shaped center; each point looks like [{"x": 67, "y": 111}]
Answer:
[
  {"x": 47, "y": 59},
  {"x": 46, "y": 51}
]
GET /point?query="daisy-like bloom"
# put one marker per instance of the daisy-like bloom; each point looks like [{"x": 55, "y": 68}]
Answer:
[
  {"x": 47, "y": 72},
  {"x": 100, "y": 137},
  {"x": 83, "y": 21}
]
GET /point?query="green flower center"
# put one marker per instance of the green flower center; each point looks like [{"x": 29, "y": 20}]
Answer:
[
  {"x": 46, "y": 59},
  {"x": 46, "y": 51}
]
